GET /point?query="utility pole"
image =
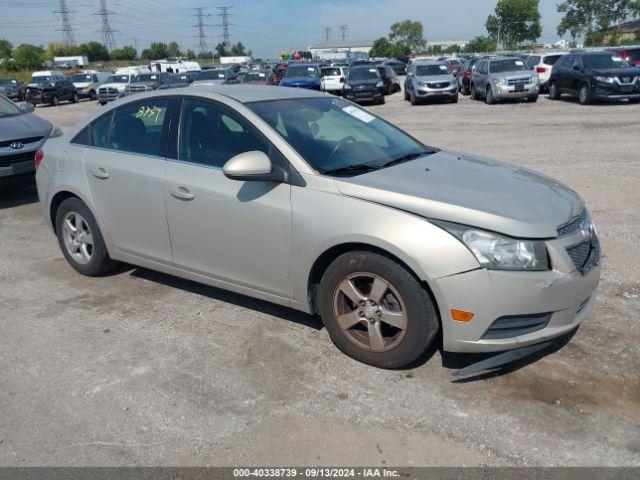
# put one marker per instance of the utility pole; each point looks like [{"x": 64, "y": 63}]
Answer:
[
  {"x": 68, "y": 37},
  {"x": 327, "y": 34},
  {"x": 224, "y": 15},
  {"x": 103, "y": 14},
  {"x": 343, "y": 32},
  {"x": 202, "y": 42}
]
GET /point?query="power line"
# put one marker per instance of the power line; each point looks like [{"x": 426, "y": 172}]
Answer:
[
  {"x": 68, "y": 37},
  {"x": 108, "y": 39},
  {"x": 202, "y": 42},
  {"x": 224, "y": 15},
  {"x": 343, "y": 32}
]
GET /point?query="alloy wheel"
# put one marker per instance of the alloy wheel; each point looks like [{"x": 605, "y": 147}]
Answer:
[
  {"x": 77, "y": 236},
  {"x": 370, "y": 312}
]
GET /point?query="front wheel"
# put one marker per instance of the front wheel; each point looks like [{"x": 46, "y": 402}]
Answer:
[
  {"x": 376, "y": 311},
  {"x": 381, "y": 101},
  {"x": 406, "y": 93},
  {"x": 75, "y": 98},
  {"x": 80, "y": 238},
  {"x": 532, "y": 99},
  {"x": 455, "y": 99},
  {"x": 488, "y": 97},
  {"x": 55, "y": 101},
  {"x": 584, "y": 96}
]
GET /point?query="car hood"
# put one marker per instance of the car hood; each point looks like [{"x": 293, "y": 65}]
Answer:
[
  {"x": 447, "y": 77},
  {"x": 368, "y": 83},
  {"x": 24, "y": 125},
  {"x": 216, "y": 81},
  {"x": 300, "y": 81},
  {"x": 470, "y": 190}
]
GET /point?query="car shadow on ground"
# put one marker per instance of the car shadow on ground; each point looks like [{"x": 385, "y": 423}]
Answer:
[
  {"x": 240, "y": 300},
  {"x": 462, "y": 360},
  {"x": 16, "y": 196}
]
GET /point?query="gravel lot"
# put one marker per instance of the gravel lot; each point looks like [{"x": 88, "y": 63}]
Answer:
[{"x": 140, "y": 368}]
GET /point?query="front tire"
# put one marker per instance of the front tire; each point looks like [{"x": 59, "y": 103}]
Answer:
[
  {"x": 75, "y": 98},
  {"x": 80, "y": 238},
  {"x": 532, "y": 99},
  {"x": 376, "y": 311},
  {"x": 584, "y": 96},
  {"x": 55, "y": 101},
  {"x": 488, "y": 96}
]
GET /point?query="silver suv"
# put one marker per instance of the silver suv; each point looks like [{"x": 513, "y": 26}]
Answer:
[
  {"x": 430, "y": 81},
  {"x": 504, "y": 78},
  {"x": 305, "y": 199}
]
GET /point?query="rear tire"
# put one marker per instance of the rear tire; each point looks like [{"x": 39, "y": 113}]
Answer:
[
  {"x": 102, "y": 103},
  {"x": 55, "y": 101},
  {"x": 584, "y": 95},
  {"x": 390, "y": 293},
  {"x": 473, "y": 93},
  {"x": 634, "y": 100},
  {"x": 554, "y": 92},
  {"x": 93, "y": 96},
  {"x": 80, "y": 238},
  {"x": 381, "y": 101},
  {"x": 406, "y": 93},
  {"x": 532, "y": 99},
  {"x": 465, "y": 90},
  {"x": 75, "y": 98}
]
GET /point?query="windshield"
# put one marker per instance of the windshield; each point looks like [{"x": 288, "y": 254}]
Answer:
[
  {"x": 40, "y": 79},
  {"x": 507, "y": 65},
  {"x": 211, "y": 75},
  {"x": 331, "y": 72},
  {"x": 597, "y": 62},
  {"x": 551, "y": 59},
  {"x": 8, "y": 81},
  {"x": 300, "y": 71},
  {"x": 81, "y": 78},
  {"x": 145, "y": 78},
  {"x": 335, "y": 134},
  {"x": 364, "y": 74},
  {"x": 118, "y": 79},
  {"x": 427, "y": 70},
  {"x": 8, "y": 108}
]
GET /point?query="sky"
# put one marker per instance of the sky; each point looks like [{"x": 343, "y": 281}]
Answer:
[{"x": 266, "y": 27}]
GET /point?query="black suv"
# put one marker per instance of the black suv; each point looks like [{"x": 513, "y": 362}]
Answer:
[
  {"x": 390, "y": 79},
  {"x": 464, "y": 75},
  {"x": 51, "y": 92},
  {"x": 595, "y": 76}
]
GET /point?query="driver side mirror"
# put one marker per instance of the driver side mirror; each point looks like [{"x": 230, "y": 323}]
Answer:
[
  {"x": 577, "y": 68},
  {"x": 254, "y": 166},
  {"x": 27, "y": 107}
]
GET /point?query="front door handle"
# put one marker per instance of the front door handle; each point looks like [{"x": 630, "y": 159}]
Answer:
[
  {"x": 182, "y": 194},
  {"x": 100, "y": 173}
]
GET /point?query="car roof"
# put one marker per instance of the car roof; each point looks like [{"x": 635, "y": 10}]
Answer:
[
  {"x": 258, "y": 93},
  {"x": 428, "y": 62},
  {"x": 302, "y": 65}
]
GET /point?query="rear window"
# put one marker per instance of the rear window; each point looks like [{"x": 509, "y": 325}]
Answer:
[
  {"x": 331, "y": 72},
  {"x": 551, "y": 59}
]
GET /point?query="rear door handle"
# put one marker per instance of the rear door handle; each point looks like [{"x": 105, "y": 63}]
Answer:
[
  {"x": 100, "y": 173},
  {"x": 182, "y": 193}
]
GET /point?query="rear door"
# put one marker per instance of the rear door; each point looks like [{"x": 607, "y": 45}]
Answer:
[{"x": 125, "y": 168}]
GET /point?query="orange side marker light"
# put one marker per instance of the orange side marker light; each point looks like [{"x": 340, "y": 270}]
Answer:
[{"x": 461, "y": 316}]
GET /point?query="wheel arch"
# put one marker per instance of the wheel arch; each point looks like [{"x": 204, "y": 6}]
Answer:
[{"x": 329, "y": 255}]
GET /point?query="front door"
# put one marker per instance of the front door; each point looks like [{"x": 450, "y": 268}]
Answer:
[
  {"x": 125, "y": 170},
  {"x": 234, "y": 231}
]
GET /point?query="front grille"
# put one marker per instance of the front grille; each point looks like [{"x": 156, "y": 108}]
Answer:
[
  {"x": 516, "y": 325},
  {"x": 7, "y": 143},
  {"x": 572, "y": 226},
  {"x": 8, "y": 160},
  {"x": 438, "y": 84},
  {"x": 515, "y": 81},
  {"x": 109, "y": 90},
  {"x": 138, "y": 88},
  {"x": 585, "y": 255}
]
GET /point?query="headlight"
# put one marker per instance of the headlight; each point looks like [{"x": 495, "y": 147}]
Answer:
[
  {"x": 499, "y": 252},
  {"x": 379, "y": 84},
  {"x": 605, "y": 79},
  {"x": 499, "y": 81},
  {"x": 55, "y": 132}
]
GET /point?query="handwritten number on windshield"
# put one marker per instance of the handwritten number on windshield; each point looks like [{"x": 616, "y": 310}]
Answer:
[{"x": 149, "y": 112}]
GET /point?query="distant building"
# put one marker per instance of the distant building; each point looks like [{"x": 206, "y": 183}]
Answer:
[
  {"x": 628, "y": 32},
  {"x": 69, "y": 62},
  {"x": 444, "y": 44},
  {"x": 562, "y": 44},
  {"x": 341, "y": 50}
]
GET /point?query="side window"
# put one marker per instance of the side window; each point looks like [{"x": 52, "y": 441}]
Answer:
[
  {"x": 100, "y": 131},
  {"x": 137, "y": 127},
  {"x": 94, "y": 79},
  {"x": 210, "y": 134},
  {"x": 577, "y": 62}
]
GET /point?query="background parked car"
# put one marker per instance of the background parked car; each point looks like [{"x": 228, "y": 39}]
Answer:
[
  {"x": 454, "y": 66},
  {"x": 333, "y": 79},
  {"x": 51, "y": 90},
  {"x": 630, "y": 54},
  {"x": 145, "y": 82},
  {"x": 302, "y": 75},
  {"x": 258, "y": 77},
  {"x": 430, "y": 81},
  {"x": 22, "y": 134},
  {"x": 216, "y": 76},
  {"x": 595, "y": 76},
  {"x": 543, "y": 64},
  {"x": 398, "y": 66},
  {"x": 464, "y": 75},
  {"x": 504, "y": 78},
  {"x": 364, "y": 84},
  {"x": 177, "y": 80},
  {"x": 390, "y": 79},
  {"x": 88, "y": 82},
  {"x": 12, "y": 88},
  {"x": 114, "y": 87}
]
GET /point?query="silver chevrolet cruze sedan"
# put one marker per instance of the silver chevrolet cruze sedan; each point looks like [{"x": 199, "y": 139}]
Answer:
[{"x": 309, "y": 201}]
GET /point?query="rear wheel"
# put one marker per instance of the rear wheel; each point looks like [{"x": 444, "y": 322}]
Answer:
[
  {"x": 406, "y": 93},
  {"x": 381, "y": 101},
  {"x": 55, "y": 101},
  {"x": 474, "y": 95},
  {"x": 93, "y": 95},
  {"x": 554, "y": 92},
  {"x": 375, "y": 310},
  {"x": 80, "y": 238},
  {"x": 103, "y": 103},
  {"x": 465, "y": 89},
  {"x": 634, "y": 100},
  {"x": 532, "y": 99},
  {"x": 75, "y": 98},
  {"x": 584, "y": 96}
]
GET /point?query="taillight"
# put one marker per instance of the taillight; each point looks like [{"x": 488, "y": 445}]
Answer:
[
  {"x": 467, "y": 74},
  {"x": 38, "y": 157},
  {"x": 341, "y": 79},
  {"x": 541, "y": 69}
]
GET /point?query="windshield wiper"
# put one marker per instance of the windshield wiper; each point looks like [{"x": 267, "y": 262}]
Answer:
[
  {"x": 408, "y": 157},
  {"x": 358, "y": 168}
]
